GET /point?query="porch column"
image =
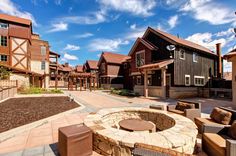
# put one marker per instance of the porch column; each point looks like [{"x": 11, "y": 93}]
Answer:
[
  {"x": 90, "y": 84},
  {"x": 93, "y": 83},
  {"x": 85, "y": 80},
  {"x": 33, "y": 80},
  {"x": 163, "y": 84},
  {"x": 80, "y": 84},
  {"x": 145, "y": 83}
]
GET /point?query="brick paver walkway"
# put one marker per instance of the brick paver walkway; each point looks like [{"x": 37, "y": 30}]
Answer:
[{"x": 38, "y": 139}]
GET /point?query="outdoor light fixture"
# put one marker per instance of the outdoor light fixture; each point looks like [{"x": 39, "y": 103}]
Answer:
[{"x": 171, "y": 48}]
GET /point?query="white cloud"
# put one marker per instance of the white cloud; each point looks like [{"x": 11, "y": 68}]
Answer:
[
  {"x": 173, "y": 21},
  {"x": 58, "y": 2},
  {"x": 72, "y": 47},
  {"x": 133, "y": 26},
  {"x": 69, "y": 57},
  {"x": 225, "y": 33},
  {"x": 206, "y": 40},
  {"x": 59, "y": 27},
  {"x": 8, "y": 7},
  {"x": 106, "y": 44},
  {"x": 93, "y": 18},
  {"x": 135, "y": 7},
  {"x": 85, "y": 35},
  {"x": 209, "y": 11},
  {"x": 135, "y": 33}
]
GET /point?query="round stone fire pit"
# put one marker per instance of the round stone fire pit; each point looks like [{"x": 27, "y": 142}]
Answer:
[{"x": 171, "y": 131}]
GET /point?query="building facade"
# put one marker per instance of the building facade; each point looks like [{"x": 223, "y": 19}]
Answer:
[
  {"x": 167, "y": 66},
  {"x": 23, "y": 52},
  {"x": 111, "y": 70}
]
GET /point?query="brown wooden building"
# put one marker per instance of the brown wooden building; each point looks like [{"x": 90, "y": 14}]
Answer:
[
  {"x": 23, "y": 52},
  {"x": 111, "y": 70},
  {"x": 165, "y": 65}
]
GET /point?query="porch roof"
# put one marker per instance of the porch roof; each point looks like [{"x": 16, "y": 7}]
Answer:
[
  {"x": 23, "y": 71},
  {"x": 230, "y": 54},
  {"x": 81, "y": 75},
  {"x": 157, "y": 65}
]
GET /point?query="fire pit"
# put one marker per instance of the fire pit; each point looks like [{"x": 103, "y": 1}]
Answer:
[{"x": 114, "y": 135}]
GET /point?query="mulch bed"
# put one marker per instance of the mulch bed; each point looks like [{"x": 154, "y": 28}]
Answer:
[{"x": 20, "y": 111}]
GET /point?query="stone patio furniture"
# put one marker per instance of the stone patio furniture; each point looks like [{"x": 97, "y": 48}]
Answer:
[
  {"x": 222, "y": 143},
  {"x": 188, "y": 109},
  {"x": 158, "y": 107},
  {"x": 220, "y": 117},
  {"x": 144, "y": 150}
]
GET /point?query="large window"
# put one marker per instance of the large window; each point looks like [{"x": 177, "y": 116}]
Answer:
[
  {"x": 140, "y": 58},
  {"x": 195, "y": 57},
  {"x": 187, "y": 80},
  {"x": 43, "y": 50},
  {"x": 4, "y": 41},
  {"x": 3, "y": 58},
  {"x": 182, "y": 54},
  {"x": 199, "y": 80},
  {"x": 43, "y": 65},
  {"x": 3, "y": 25}
]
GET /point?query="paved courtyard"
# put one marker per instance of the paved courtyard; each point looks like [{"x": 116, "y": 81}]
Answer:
[{"x": 41, "y": 140}]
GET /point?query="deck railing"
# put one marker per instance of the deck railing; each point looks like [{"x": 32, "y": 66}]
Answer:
[
  {"x": 8, "y": 83},
  {"x": 8, "y": 89}
]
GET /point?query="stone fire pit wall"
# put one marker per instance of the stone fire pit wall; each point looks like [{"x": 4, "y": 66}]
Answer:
[{"x": 175, "y": 132}]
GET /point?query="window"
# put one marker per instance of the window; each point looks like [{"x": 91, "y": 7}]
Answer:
[
  {"x": 187, "y": 80},
  {"x": 4, "y": 41},
  {"x": 139, "y": 81},
  {"x": 182, "y": 54},
  {"x": 43, "y": 65},
  {"x": 103, "y": 67},
  {"x": 3, "y": 25},
  {"x": 199, "y": 80},
  {"x": 140, "y": 58},
  {"x": 43, "y": 50},
  {"x": 195, "y": 57},
  {"x": 3, "y": 58}
]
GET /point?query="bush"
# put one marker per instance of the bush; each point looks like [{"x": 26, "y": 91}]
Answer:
[
  {"x": 37, "y": 90},
  {"x": 56, "y": 91},
  {"x": 123, "y": 92}
]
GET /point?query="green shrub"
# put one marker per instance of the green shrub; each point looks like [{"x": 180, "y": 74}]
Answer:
[{"x": 56, "y": 91}]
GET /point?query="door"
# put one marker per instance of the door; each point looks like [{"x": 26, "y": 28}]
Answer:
[{"x": 168, "y": 85}]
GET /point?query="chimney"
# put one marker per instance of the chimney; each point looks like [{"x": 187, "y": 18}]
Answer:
[
  {"x": 219, "y": 68},
  {"x": 66, "y": 64}
]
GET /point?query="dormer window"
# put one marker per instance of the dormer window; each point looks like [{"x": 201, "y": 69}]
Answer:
[
  {"x": 3, "y": 25},
  {"x": 140, "y": 58},
  {"x": 195, "y": 57},
  {"x": 182, "y": 54}
]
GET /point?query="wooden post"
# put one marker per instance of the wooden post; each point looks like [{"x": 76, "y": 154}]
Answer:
[
  {"x": 163, "y": 77},
  {"x": 90, "y": 84},
  {"x": 33, "y": 80},
  {"x": 56, "y": 80},
  {"x": 85, "y": 81},
  {"x": 93, "y": 83},
  {"x": 80, "y": 84},
  {"x": 145, "y": 84}
]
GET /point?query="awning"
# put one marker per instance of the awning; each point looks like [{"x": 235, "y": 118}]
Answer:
[
  {"x": 23, "y": 71},
  {"x": 156, "y": 66}
]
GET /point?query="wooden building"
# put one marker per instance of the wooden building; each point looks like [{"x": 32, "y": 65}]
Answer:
[
  {"x": 111, "y": 70},
  {"x": 91, "y": 66},
  {"x": 165, "y": 65},
  {"x": 231, "y": 57}
]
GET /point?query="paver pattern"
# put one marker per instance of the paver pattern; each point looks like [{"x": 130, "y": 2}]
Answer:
[{"x": 93, "y": 101}]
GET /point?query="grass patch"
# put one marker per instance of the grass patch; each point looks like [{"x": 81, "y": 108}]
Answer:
[
  {"x": 37, "y": 90},
  {"x": 124, "y": 92}
]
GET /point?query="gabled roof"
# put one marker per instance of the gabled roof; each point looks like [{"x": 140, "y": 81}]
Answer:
[
  {"x": 92, "y": 64},
  {"x": 64, "y": 68},
  {"x": 115, "y": 58},
  {"x": 230, "y": 54},
  {"x": 79, "y": 68},
  {"x": 15, "y": 19},
  {"x": 175, "y": 40},
  {"x": 144, "y": 42},
  {"x": 157, "y": 65}
]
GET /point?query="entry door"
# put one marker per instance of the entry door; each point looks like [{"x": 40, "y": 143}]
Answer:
[{"x": 168, "y": 84}]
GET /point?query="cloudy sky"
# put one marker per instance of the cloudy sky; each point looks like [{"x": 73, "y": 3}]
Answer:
[{"x": 82, "y": 29}]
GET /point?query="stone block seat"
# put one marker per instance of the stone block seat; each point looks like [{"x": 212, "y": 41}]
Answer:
[
  {"x": 188, "y": 109},
  {"x": 222, "y": 143},
  {"x": 220, "y": 117}
]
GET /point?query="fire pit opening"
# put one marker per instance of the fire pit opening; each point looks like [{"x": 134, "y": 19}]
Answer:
[{"x": 138, "y": 121}]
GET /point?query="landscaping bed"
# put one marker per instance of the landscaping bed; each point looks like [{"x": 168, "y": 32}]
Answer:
[{"x": 20, "y": 111}]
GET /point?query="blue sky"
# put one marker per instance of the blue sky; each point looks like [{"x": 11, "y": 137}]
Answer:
[{"x": 82, "y": 29}]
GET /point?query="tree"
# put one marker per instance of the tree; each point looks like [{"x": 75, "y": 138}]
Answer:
[{"x": 4, "y": 73}]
